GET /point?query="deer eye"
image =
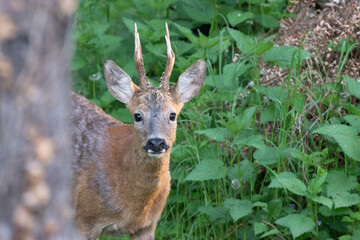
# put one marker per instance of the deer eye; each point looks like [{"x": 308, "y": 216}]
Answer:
[
  {"x": 137, "y": 117},
  {"x": 172, "y": 116}
]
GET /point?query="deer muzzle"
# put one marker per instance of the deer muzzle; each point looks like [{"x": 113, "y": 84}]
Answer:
[{"x": 156, "y": 147}]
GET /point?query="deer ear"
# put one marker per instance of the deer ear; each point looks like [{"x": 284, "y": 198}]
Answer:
[
  {"x": 191, "y": 81},
  {"x": 118, "y": 82}
]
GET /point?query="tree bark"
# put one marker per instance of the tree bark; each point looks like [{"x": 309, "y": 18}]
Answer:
[{"x": 35, "y": 155}]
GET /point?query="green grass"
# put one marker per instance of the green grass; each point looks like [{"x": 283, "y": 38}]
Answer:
[{"x": 249, "y": 161}]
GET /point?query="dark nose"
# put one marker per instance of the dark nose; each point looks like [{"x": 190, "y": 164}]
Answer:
[{"x": 156, "y": 145}]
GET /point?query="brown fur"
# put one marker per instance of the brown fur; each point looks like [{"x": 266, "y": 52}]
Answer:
[
  {"x": 121, "y": 179},
  {"x": 139, "y": 185}
]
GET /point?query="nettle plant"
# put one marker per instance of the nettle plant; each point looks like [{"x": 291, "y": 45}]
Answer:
[{"x": 251, "y": 161}]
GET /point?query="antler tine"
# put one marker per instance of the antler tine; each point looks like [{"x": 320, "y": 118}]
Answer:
[
  {"x": 170, "y": 60},
  {"x": 139, "y": 62}
]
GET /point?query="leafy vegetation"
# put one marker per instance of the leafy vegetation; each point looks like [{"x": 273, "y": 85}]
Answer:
[{"x": 250, "y": 161}]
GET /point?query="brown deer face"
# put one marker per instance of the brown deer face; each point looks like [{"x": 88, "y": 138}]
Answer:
[{"x": 154, "y": 109}]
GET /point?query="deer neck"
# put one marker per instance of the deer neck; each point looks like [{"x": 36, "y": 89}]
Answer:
[
  {"x": 145, "y": 171},
  {"x": 149, "y": 165}
]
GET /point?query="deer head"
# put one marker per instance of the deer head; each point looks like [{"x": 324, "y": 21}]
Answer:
[{"x": 155, "y": 109}]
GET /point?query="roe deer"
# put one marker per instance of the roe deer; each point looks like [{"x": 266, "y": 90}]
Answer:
[{"x": 122, "y": 176}]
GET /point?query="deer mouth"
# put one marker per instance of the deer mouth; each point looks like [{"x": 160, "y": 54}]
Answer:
[{"x": 154, "y": 154}]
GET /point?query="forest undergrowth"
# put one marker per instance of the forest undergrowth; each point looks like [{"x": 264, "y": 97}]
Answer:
[{"x": 270, "y": 148}]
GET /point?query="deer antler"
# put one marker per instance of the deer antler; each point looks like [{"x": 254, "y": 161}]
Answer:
[
  {"x": 139, "y": 62},
  {"x": 170, "y": 60}
]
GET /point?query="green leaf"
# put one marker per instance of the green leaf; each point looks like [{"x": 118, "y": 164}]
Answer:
[
  {"x": 249, "y": 45},
  {"x": 107, "y": 98},
  {"x": 298, "y": 224},
  {"x": 315, "y": 185},
  {"x": 123, "y": 115},
  {"x": 276, "y": 94},
  {"x": 77, "y": 62},
  {"x": 347, "y": 219},
  {"x": 298, "y": 102},
  {"x": 261, "y": 47},
  {"x": 156, "y": 49},
  {"x": 187, "y": 33},
  {"x": 109, "y": 43},
  {"x": 199, "y": 10},
  {"x": 181, "y": 47},
  {"x": 356, "y": 216},
  {"x": 339, "y": 186},
  {"x": 353, "y": 86},
  {"x": 243, "y": 42},
  {"x": 323, "y": 200},
  {"x": 346, "y": 200},
  {"x": 217, "y": 134},
  {"x": 354, "y": 121},
  {"x": 130, "y": 24},
  {"x": 216, "y": 214},
  {"x": 208, "y": 169},
  {"x": 241, "y": 121},
  {"x": 356, "y": 235},
  {"x": 327, "y": 212},
  {"x": 274, "y": 209},
  {"x": 256, "y": 141},
  {"x": 231, "y": 72},
  {"x": 237, "y": 17},
  {"x": 352, "y": 109},
  {"x": 260, "y": 228},
  {"x": 283, "y": 55},
  {"x": 338, "y": 183},
  {"x": 260, "y": 204},
  {"x": 238, "y": 208},
  {"x": 345, "y": 237},
  {"x": 243, "y": 171},
  {"x": 289, "y": 181},
  {"x": 269, "y": 155},
  {"x": 269, "y": 114},
  {"x": 345, "y": 136},
  {"x": 229, "y": 79},
  {"x": 266, "y": 20}
]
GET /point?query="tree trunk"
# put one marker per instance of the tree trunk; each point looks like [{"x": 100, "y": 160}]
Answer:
[{"x": 35, "y": 155}]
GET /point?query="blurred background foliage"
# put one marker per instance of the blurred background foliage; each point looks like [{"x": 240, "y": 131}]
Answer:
[{"x": 105, "y": 30}]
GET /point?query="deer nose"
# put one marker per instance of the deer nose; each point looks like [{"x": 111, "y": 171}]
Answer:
[{"x": 156, "y": 145}]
